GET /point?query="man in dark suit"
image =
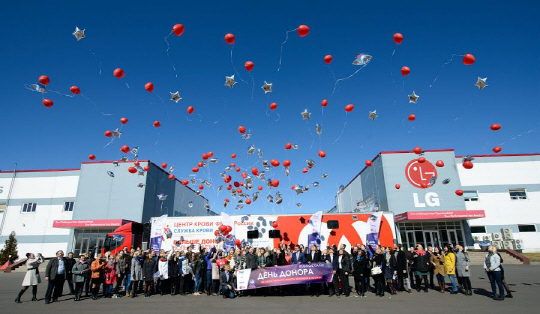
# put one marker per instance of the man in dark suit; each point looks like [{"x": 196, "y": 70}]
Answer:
[
  {"x": 226, "y": 282},
  {"x": 333, "y": 287},
  {"x": 342, "y": 272},
  {"x": 298, "y": 257},
  {"x": 314, "y": 256},
  {"x": 401, "y": 267},
  {"x": 55, "y": 274},
  {"x": 69, "y": 262}
]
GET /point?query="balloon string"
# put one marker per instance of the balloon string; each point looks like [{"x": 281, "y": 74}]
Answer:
[
  {"x": 128, "y": 85},
  {"x": 342, "y": 130},
  {"x": 346, "y": 78},
  {"x": 155, "y": 144},
  {"x": 253, "y": 86},
  {"x": 235, "y": 71},
  {"x": 519, "y": 135},
  {"x": 168, "y": 55},
  {"x": 221, "y": 115},
  {"x": 281, "y": 53},
  {"x": 162, "y": 104},
  {"x": 310, "y": 133},
  {"x": 99, "y": 60},
  {"x": 97, "y": 107},
  {"x": 445, "y": 64}
]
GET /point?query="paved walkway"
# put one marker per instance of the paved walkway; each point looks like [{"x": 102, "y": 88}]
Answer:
[{"x": 524, "y": 281}]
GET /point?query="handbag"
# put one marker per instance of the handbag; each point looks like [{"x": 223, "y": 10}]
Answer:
[{"x": 377, "y": 270}]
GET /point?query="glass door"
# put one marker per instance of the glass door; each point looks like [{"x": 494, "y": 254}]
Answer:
[
  {"x": 453, "y": 236},
  {"x": 431, "y": 238},
  {"x": 409, "y": 239},
  {"x": 81, "y": 246}
]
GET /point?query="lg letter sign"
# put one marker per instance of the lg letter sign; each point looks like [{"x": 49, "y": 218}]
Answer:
[{"x": 422, "y": 176}]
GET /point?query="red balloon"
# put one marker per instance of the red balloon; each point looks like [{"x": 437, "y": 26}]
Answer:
[
  {"x": 248, "y": 201},
  {"x": 210, "y": 154},
  {"x": 164, "y": 165},
  {"x": 229, "y": 187},
  {"x": 237, "y": 241},
  {"x": 305, "y": 170},
  {"x": 236, "y": 184},
  {"x": 137, "y": 163},
  {"x": 260, "y": 188},
  {"x": 75, "y": 90},
  {"x": 328, "y": 59},
  {"x": 288, "y": 146},
  {"x": 303, "y": 30},
  {"x": 244, "y": 175},
  {"x": 273, "y": 106},
  {"x": 227, "y": 179},
  {"x": 287, "y": 163},
  {"x": 237, "y": 169},
  {"x": 149, "y": 87},
  {"x": 146, "y": 168},
  {"x": 195, "y": 169},
  {"x": 223, "y": 228},
  {"x": 232, "y": 164},
  {"x": 44, "y": 80},
  {"x": 125, "y": 149},
  {"x": 227, "y": 200},
  {"x": 178, "y": 29},
  {"x": 468, "y": 164},
  {"x": 495, "y": 127},
  {"x": 275, "y": 224},
  {"x": 349, "y": 108},
  {"x": 439, "y": 163},
  {"x": 157, "y": 124},
  {"x": 405, "y": 71},
  {"x": 91, "y": 157},
  {"x": 398, "y": 186},
  {"x": 398, "y": 38},
  {"x": 233, "y": 156},
  {"x": 216, "y": 233},
  {"x": 322, "y": 153},
  {"x": 185, "y": 182},
  {"x": 459, "y": 192},
  {"x": 421, "y": 160},
  {"x": 274, "y": 183},
  {"x": 132, "y": 169},
  {"x": 200, "y": 164},
  {"x": 108, "y": 133},
  {"x": 274, "y": 162},
  {"x": 324, "y": 103},
  {"x": 417, "y": 150},
  {"x": 171, "y": 176},
  {"x": 497, "y": 149},
  {"x": 204, "y": 156},
  {"x": 255, "y": 171},
  {"x": 238, "y": 190},
  {"x": 249, "y": 65},
  {"x": 190, "y": 109},
  {"x": 48, "y": 103},
  {"x": 242, "y": 129},
  {"x": 229, "y": 229},
  {"x": 229, "y": 38},
  {"x": 201, "y": 187},
  {"x": 124, "y": 120},
  {"x": 412, "y": 117},
  {"x": 119, "y": 73},
  {"x": 369, "y": 163},
  {"x": 468, "y": 59}
]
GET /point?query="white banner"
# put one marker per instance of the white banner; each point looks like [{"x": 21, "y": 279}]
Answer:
[{"x": 374, "y": 224}]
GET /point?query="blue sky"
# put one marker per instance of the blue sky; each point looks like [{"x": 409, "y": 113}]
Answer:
[{"x": 452, "y": 113}]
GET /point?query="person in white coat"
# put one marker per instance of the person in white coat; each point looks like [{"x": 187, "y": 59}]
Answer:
[
  {"x": 32, "y": 276},
  {"x": 163, "y": 271}
]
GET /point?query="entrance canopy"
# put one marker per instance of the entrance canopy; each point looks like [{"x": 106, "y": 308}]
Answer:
[
  {"x": 418, "y": 216},
  {"x": 90, "y": 223}
]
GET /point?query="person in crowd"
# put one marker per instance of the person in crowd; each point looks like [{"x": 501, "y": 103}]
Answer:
[
  {"x": 87, "y": 283},
  {"x": 80, "y": 272},
  {"x": 506, "y": 287},
  {"x": 173, "y": 272},
  {"x": 343, "y": 270},
  {"x": 333, "y": 288},
  {"x": 98, "y": 271},
  {"x": 314, "y": 256},
  {"x": 450, "y": 267},
  {"x": 410, "y": 260},
  {"x": 297, "y": 256},
  {"x": 226, "y": 283},
  {"x": 198, "y": 271},
  {"x": 421, "y": 267},
  {"x": 401, "y": 269},
  {"x": 136, "y": 272},
  {"x": 377, "y": 271},
  {"x": 360, "y": 262},
  {"x": 437, "y": 260},
  {"x": 148, "y": 270},
  {"x": 55, "y": 274},
  {"x": 251, "y": 259},
  {"x": 492, "y": 265},
  {"x": 183, "y": 272},
  {"x": 31, "y": 278},
  {"x": 163, "y": 271},
  {"x": 431, "y": 268},
  {"x": 208, "y": 261},
  {"x": 110, "y": 275},
  {"x": 390, "y": 271},
  {"x": 215, "y": 270},
  {"x": 121, "y": 267},
  {"x": 463, "y": 271},
  {"x": 70, "y": 261},
  {"x": 128, "y": 256}
]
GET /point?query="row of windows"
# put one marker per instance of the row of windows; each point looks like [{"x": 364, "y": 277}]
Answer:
[
  {"x": 521, "y": 228},
  {"x": 31, "y": 207},
  {"x": 517, "y": 194}
]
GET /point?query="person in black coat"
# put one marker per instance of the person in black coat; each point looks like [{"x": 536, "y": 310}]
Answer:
[
  {"x": 149, "y": 269},
  {"x": 314, "y": 256},
  {"x": 379, "y": 261},
  {"x": 401, "y": 267},
  {"x": 173, "y": 272},
  {"x": 422, "y": 264},
  {"x": 70, "y": 261},
  {"x": 331, "y": 259},
  {"x": 226, "y": 283},
  {"x": 360, "y": 265},
  {"x": 55, "y": 274},
  {"x": 251, "y": 259}
]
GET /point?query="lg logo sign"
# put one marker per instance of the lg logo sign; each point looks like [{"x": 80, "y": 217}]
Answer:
[{"x": 422, "y": 175}]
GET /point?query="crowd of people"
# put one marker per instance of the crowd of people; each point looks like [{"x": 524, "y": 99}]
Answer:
[{"x": 377, "y": 270}]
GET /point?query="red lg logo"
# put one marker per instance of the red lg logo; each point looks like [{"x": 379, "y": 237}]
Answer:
[{"x": 421, "y": 175}]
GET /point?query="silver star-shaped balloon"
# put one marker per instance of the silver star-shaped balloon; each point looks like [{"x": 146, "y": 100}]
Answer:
[
  {"x": 190, "y": 204},
  {"x": 220, "y": 188},
  {"x": 299, "y": 204},
  {"x": 298, "y": 189},
  {"x": 341, "y": 188},
  {"x": 306, "y": 188},
  {"x": 324, "y": 176},
  {"x": 255, "y": 196},
  {"x": 207, "y": 206},
  {"x": 229, "y": 81},
  {"x": 193, "y": 181},
  {"x": 295, "y": 146},
  {"x": 315, "y": 184},
  {"x": 269, "y": 198},
  {"x": 362, "y": 59},
  {"x": 175, "y": 97},
  {"x": 79, "y": 33},
  {"x": 259, "y": 153},
  {"x": 124, "y": 159},
  {"x": 279, "y": 199},
  {"x": 310, "y": 163},
  {"x": 446, "y": 181},
  {"x": 287, "y": 171},
  {"x": 111, "y": 174},
  {"x": 116, "y": 133},
  {"x": 305, "y": 114},
  {"x": 251, "y": 149},
  {"x": 373, "y": 115},
  {"x": 265, "y": 163},
  {"x": 213, "y": 160},
  {"x": 267, "y": 87},
  {"x": 319, "y": 129},
  {"x": 38, "y": 88},
  {"x": 162, "y": 197},
  {"x": 413, "y": 98},
  {"x": 225, "y": 203},
  {"x": 135, "y": 150},
  {"x": 481, "y": 83},
  {"x": 141, "y": 185},
  {"x": 246, "y": 136}
]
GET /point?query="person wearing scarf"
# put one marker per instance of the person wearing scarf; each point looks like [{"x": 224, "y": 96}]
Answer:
[
  {"x": 422, "y": 265},
  {"x": 492, "y": 265}
]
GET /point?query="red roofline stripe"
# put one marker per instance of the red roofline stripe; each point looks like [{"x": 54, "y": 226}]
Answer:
[
  {"x": 43, "y": 170},
  {"x": 501, "y": 155},
  {"x": 427, "y": 151}
]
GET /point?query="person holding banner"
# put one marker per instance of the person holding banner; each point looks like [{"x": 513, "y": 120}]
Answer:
[
  {"x": 333, "y": 288},
  {"x": 314, "y": 256},
  {"x": 226, "y": 283}
]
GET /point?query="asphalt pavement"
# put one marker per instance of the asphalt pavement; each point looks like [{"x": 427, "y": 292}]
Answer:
[{"x": 523, "y": 280}]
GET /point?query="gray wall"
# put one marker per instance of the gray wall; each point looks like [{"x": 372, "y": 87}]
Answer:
[{"x": 402, "y": 200}]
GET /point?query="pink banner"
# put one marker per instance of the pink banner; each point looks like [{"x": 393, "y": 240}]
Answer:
[
  {"x": 452, "y": 214},
  {"x": 88, "y": 223}
]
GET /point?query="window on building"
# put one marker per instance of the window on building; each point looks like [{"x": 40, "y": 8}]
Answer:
[
  {"x": 470, "y": 196},
  {"x": 527, "y": 228},
  {"x": 518, "y": 194},
  {"x": 478, "y": 229},
  {"x": 68, "y": 206},
  {"x": 29, "y": 207}
]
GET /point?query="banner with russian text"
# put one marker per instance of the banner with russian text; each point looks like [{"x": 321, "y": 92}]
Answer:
[
  {"x": 314, "y": 237},
  {"x": 157, "y": 232},
  {"x": 283, "y": 275},
  {"x": 374, "y": 225}
]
